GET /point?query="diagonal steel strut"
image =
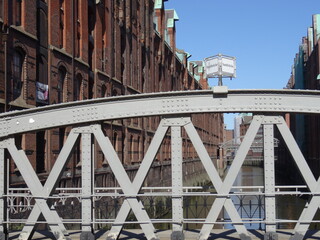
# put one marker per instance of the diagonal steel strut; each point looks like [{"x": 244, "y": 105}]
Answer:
[
  {"x": 140, "y": 177},
  {"x": 223, "y": 187},
  {"x": 310, "y": 210},
  {"x": 47, "y": 189},
  {"x": 127, "y": 186}
]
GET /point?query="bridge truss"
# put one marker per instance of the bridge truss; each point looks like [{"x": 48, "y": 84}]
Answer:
[{"x": 175, "y": 109}]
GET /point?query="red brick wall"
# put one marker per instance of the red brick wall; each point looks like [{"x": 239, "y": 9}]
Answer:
[{"x": 128, "y": 57}]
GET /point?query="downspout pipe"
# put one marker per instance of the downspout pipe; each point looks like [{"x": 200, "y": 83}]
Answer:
[{"x": 5, "y": 39}]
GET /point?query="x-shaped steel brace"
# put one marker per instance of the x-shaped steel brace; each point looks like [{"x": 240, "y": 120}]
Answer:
[
  {"x": 41, "y": 192},
  {"x": 223, "y": 188},
  {"x": 128, "y": 187},
  {"x": 309, "y": 211}
]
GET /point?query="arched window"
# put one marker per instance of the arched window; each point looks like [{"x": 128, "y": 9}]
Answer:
[
  {"x": 61, "y": 81},
  {"x": 17, "y": 73},
  {"x": 77, "y": 87}
]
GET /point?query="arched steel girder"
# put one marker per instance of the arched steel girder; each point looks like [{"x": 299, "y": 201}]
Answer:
[{"x": 156, "y": 104}]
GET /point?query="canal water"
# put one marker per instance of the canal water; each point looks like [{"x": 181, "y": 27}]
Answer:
[{"x": 252, "y": 207}]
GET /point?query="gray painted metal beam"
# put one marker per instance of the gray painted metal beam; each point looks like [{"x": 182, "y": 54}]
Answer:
[
  {"x": 36, "y": 189},
  {"x": 269, "y": 181},
  {"x": 230, "y": 178},
  {"x": 309, "y": 211},
  {"x": 171, "y": 103},
  {"x": 223, "y": 187},
  {"x": 297, "y": 154},
  {"x": 126, "y": 185},
  {"x": 86, "y": 183},
  {"x": 215, "y": 179},
  {"x": 139, "y": 178},
  {"x": 51, "y": 182},
  {"x": 3, "y": 192},
  {"x": 177, "y": 183}
]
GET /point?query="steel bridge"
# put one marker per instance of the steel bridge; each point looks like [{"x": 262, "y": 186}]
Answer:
[
  {"x": 230, "y": 147},
  {"x": 174, "y": 108}
]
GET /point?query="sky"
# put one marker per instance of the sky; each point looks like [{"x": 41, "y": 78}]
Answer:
[{"x": 263, "y": 35}]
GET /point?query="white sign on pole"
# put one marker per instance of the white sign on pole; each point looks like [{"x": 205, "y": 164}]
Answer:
[
  {"x": 220, "y": 66},
  {"x": 212, "y": 67}
]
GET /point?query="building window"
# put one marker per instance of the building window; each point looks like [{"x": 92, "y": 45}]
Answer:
[
  {"x": 61, "y": 81},
  {"x": 139, "y": 149},
  {"x": 17, "y": 73},
  {"x": 41, "y": 151},
  {"x": 77, "y": 154},
  {"x": 61, "y": 25},
  {"x": 77, "y": 83},
  {"x": 42, "y": 83},
  {"x": 131, "y": 149},
  {"x": 2, "y": 9},
  {"x": 134, "y": 9},
  {"x": 115, "y": 141},
  {"x": 103, "y": 57},
  {"x": 18, "y": 12},
  {"x": 43, "y": 70},
  {"x": 78, "y": 28},
  {"x": 42, "y": 28},
  {"x": 62, "y": 134},
  {"x": 114, "y": 92},
  {"x": 91, "y": 88},
  {"x": 103, "y": 90}
]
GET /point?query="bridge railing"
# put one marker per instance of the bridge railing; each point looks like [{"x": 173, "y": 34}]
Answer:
[{"x": 174, "y": 108}]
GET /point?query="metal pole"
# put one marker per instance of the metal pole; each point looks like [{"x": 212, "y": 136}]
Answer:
[
  {"x": 3, "y": 191},
  {"x": 86, "y": 182},
  {"x": 220, "y": 81},
  {"x": 177, "y": 183},
  {"x": 5, "y": 39},
  {"x": 269, "y": 182}
]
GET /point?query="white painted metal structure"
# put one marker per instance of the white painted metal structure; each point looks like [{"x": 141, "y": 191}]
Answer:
[
  {"x": 220, "y": 66},
  {"x": 174, "y": 107}
]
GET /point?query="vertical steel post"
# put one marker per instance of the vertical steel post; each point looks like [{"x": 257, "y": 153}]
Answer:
[
  {"x": 86, "y": 181},
  {"x": 269, "y": 182},
  {"x": 3, "y": 191},
  {"x": 177, "y": 182}
]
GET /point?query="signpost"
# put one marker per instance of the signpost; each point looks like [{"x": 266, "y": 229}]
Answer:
[{"x": 220, "y": 66}]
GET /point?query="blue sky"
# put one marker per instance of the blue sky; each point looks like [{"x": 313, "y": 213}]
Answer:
[{"x": 264, "y": 36}]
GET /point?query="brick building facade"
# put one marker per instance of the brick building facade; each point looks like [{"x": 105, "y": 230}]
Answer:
[
  {"x": 306, "y": 75},
  {"x": 61, "y": 51}
]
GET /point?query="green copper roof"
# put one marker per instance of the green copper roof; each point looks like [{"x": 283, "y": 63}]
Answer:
[
  {"x": 180, "y": 56},
  {"x": 171, "y": 20}
]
